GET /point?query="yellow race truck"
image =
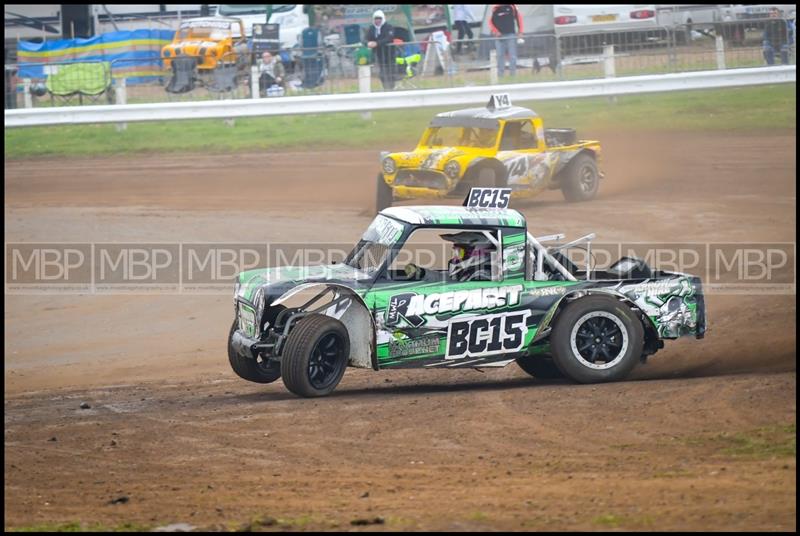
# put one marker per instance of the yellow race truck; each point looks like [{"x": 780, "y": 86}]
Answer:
[
  {"x": 211, "y": 41},
  {"x": 497, "y": 146}
]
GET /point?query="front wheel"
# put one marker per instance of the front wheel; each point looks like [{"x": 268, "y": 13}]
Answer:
[
  {"x": 596, "y": 339},
  {"x": 479, "y": 177},
  {"x": 315, "y": 356},
  {"x": 383, "y": 197},
  {"x": 257, "y": 370},
  {"x": 582, "y": 179}
]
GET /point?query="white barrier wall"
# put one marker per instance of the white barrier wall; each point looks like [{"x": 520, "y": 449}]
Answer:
[{"x": 360, "y": 102}]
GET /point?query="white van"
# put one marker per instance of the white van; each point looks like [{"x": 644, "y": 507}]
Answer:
[{"x": 290, "y": 16}]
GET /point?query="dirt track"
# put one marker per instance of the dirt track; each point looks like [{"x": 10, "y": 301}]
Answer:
[{"x": 695, "y": 442}]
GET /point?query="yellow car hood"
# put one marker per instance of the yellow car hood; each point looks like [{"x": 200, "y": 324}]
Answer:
[
  {"x": 193, "y": 47},
  {"x": 426, "y": 158}
]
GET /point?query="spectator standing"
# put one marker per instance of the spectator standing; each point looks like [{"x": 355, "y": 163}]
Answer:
[
  {"x": 776, "y": 38},
  {"x": 506, "y": 24},
  {"x": 462, "y": 17},
  {"x": 380, "y": 37},
  {"x": 272, "y": 72}
]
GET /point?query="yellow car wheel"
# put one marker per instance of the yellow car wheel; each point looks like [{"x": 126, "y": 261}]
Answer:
[
  {"x": 482, "y": 176},
  {"x": 581, "y": 179}
]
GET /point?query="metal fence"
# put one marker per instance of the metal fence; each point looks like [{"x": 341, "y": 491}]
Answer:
[{"x": 334, "y": 69}]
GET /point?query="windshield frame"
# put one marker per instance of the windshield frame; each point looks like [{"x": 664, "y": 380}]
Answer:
[
  {"x": 431, "y": 131},
  {"x": 392, "y": 248},
  {"x": 231, "y": 29},
  {"x": 190, "y": 34}
]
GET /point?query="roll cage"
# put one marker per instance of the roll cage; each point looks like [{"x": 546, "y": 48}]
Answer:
[{"x": 541, "y": 262}]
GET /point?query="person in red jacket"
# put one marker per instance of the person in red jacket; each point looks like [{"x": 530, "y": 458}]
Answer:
[{"x": 506, "y": 24}]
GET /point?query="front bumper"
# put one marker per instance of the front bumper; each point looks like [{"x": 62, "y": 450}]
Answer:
[
  {"x": 407, "y": 192},
  {"x": 701, "y": 308},
  {"x": 423, "y": 179},
  {"x": 203, "y": 63},
  {"x": 249, "y": 347},
  {"x": 243, "y": 345}
]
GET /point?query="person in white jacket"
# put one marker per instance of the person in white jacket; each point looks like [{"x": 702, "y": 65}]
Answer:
[{"x": 462, "y": 16}]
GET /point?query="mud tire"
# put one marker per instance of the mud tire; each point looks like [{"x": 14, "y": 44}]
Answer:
[
  {"x": 315, "y": 356},
  {"x": 598, "y": 320},
  {"x": 581, "y": 179}
]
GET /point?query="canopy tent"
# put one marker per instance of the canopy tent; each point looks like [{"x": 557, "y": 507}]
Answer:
[{"x": 134, "y": 55}]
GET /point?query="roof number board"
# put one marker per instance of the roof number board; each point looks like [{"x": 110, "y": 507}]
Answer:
[
  {"x": 488, "y": 198},
  {"x": 499, "y": 101}
]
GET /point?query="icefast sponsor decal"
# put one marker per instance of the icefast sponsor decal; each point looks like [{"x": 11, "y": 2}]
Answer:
[
  {"x": 464, "y": 300},
  {"x": 407, "y": 347},
  {"x": 486, "y": 335},
  {"x": 413, "y": 307}
]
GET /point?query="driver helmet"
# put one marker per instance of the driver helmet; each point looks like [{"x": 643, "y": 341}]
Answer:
[{"x": 472, "y": 256}]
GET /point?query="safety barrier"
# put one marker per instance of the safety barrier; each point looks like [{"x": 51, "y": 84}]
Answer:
[
  {"x": 335, "y": 68},
  {"x": 359, "y": 102}
]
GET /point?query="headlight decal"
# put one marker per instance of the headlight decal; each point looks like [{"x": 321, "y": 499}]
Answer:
[
  {"x": 452, "y": 169},
  {"x": 259, "y": 302},
  {"x": 389, "y": 165},
  {"x": 236, "y": 287}
]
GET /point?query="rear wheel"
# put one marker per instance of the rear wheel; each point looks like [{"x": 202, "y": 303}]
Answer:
[
  {"x": 259, "y": 370},
  {"x": 581, "y": 180},
  {"x": 383, "y": 196},
  {"x": 315, "y": 356},
  {"x": 596, "y": 339}
]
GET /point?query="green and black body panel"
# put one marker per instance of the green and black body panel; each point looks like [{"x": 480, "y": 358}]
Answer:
[
  {"x": 441, "y": 323},
  {"x": 493, "y": 323},
  {"x": 263, "y": 325},
  {"x": 459, "y": 324}
]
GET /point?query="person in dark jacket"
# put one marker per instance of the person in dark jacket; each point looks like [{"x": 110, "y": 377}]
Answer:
[
  {"x": 506, "y": 24},
  {"x": 777, "y": 38},
  {"x": 380, "y": 37}
]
